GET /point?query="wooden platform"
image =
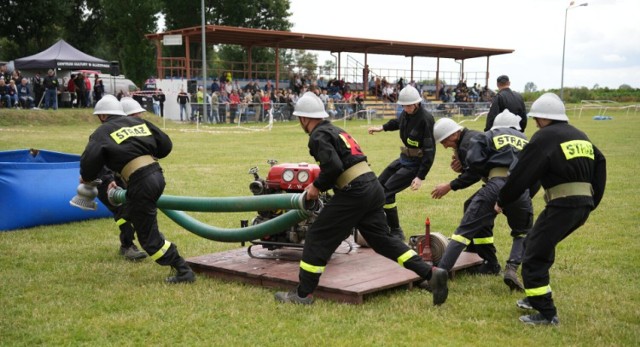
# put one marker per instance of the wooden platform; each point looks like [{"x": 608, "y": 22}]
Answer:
[{"x": 347, "y": 278}]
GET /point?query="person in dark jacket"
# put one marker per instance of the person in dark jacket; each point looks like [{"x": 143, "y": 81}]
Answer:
[
  {"x": 416, "y": 156},
  {"x": 357, "y": 202},
  {"x": 506, "y": 99},
  {"x": 573, "y": 173},
  {"x": 485, "y": 156},
  {"x": 130, "y": 147}
]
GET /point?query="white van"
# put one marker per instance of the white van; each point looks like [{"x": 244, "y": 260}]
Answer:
[{"x": 112, "y": 84}]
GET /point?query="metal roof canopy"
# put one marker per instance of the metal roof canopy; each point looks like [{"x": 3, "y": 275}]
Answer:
[{"x": 248, "y": 37}]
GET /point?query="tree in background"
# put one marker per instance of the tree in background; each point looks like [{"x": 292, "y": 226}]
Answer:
[
  {"x": 27, "y": 27},
  {"x": 257, "y": 14},
  {"x": 530, "y": 87}
]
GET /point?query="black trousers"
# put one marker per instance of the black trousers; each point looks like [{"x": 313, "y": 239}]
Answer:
[
  {"x": 360, "y": 206},
  {"x": 553, "y": 225},
  {"x": 476, "y": 227},
  {"x": 395, "y": 178},
  {"x": 145, "y": 187}
]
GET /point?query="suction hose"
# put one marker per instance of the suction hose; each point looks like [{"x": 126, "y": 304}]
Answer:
[{"x": 173, "y": 206}]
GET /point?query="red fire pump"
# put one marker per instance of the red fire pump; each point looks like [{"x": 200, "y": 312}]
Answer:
[{"x": 285, "y": 178}]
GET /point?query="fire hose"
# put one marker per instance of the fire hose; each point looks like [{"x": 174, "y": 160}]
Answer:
[{"x": 174, "y": 207}]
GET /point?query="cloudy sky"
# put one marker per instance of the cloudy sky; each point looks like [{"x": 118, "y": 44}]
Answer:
[{"x": 602, "y": 44}]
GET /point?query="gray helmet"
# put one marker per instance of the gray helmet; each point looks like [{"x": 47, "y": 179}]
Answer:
[
  {"x": 110, "y": 105},
  {"x": 409, "y": 96},
  {"x": 131, "y": 106},
  {"x": 506, "y": 119},
  {"x": 309, "y": 105},
  {"x": 444, "y": 128},
  {"x": 548, "y": 106}
]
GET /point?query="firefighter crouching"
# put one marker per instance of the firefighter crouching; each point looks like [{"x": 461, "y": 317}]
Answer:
[
  {"x": 129, "y": 146},
  {"x": 357, "y": 202},
  {"x": 487, "y": 156},
  {"x": 573, "y": 173}
]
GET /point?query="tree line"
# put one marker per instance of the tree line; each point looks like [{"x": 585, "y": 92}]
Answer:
[{"x": 115, "y": 29}]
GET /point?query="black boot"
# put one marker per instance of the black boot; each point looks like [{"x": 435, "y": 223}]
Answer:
[{"x": 183, "y": 273}]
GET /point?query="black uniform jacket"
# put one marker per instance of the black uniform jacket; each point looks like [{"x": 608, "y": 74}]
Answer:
[
  {"x": 120, "y": 140},
  {"x": 416, "y": 131},
  {"x": 558, "y": 153},
  {"x": 335, "y": 151},
  {"x": 495, "y": 148},
  {"x": 507, "y": 99},
  {"x": 467, "y": 177}
]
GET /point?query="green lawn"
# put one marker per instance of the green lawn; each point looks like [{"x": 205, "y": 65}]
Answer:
[{"x": 66, "y": 284}]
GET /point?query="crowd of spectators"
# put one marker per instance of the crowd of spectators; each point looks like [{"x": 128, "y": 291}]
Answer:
[{"x": 17, "y": 91}]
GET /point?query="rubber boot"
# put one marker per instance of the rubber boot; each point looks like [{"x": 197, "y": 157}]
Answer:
[
  {"x": 183, "y": 273},
  {"x": 511, "y": 277}
]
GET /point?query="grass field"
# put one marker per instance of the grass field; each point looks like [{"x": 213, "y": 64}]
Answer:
[{"x": 65, "y": 285}]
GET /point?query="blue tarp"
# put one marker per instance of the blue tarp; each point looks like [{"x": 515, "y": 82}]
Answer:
[{"x": 35, "y": 189}]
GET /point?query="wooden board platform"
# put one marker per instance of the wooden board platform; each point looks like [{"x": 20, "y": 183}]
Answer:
[{"x": 347, "y": 277}]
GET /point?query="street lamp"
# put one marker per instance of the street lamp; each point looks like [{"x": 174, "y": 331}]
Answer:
[{"x": 564, "y": 42}]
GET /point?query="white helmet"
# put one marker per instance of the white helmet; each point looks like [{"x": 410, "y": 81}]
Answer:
[
  {"x": 309, "y": 105},
  {"x": 131, "y": 106},
  {"x": 409, "y": 96},
  {"x": 506, "y": 119},
  {"x": 444, "y": 128},
  {"x": 109, "y": 104},
  {"x": 548, "y": 106}
]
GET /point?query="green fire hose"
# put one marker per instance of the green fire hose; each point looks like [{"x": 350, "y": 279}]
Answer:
[{"x": 173, "y": 206}]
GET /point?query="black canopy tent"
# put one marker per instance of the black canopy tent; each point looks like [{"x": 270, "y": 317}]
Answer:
[{"x": 62, "y": 56}]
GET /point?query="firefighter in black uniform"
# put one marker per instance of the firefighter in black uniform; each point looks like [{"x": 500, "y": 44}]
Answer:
[
  {"x": 130, "y": 146},
  {"x": 416, "y": 156},
  {"x": 506, "y": 99},
  {"x": 357, "y": 202},
  {"x": 108, "y": 180},
  {"x": 486, "y": 156},
  {"x": 573, "y": 173}
]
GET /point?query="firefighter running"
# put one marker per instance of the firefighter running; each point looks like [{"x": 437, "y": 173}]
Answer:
[
  {"x": 130, "y": 146},
  {"x": 358, "y": 202},
  {"x": 486, "y": 156},
  {"x": 573, "y": 173},
  {"x": 416, "y": 156}
]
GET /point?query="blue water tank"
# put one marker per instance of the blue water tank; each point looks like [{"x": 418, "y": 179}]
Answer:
[{"x": 35, "y": 189}]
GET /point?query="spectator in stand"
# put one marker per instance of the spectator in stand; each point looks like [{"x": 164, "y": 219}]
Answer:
[
  {"x": 266, "y": 104},
  {"x": 156, "y": 103},
  {"x": 87, "y": 92},
  {"x": 81, "y": 89},
  {"x": 13, "y": 93},
  {"x": 98, "y": 90},
  {"x": 16, "y": 77},
  {"x": 71, "y": 88},
  {"x": 183, "y": 100},
  {"x": 24, "y": 94},
  {"x": 215, "y": 108},
  {"x": 4, "y": 94},
  {"x": 321, "y": 83},
  {"x": 161, "y": 98},
  {"x": 268, "y": 87},
  {"x": 389, "y": 93},
  {"x": 215, "y": 86},
  {"x": 234, "y": 102},
  {"x": 4, "y": 74},
  {"x": 223, "y": 104},
  {"x": 51, "y": 90},
  {"x": 506, "y": 99},
  {"x": 331, "y": 108},
  {"x": 38, "y": 89}
]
